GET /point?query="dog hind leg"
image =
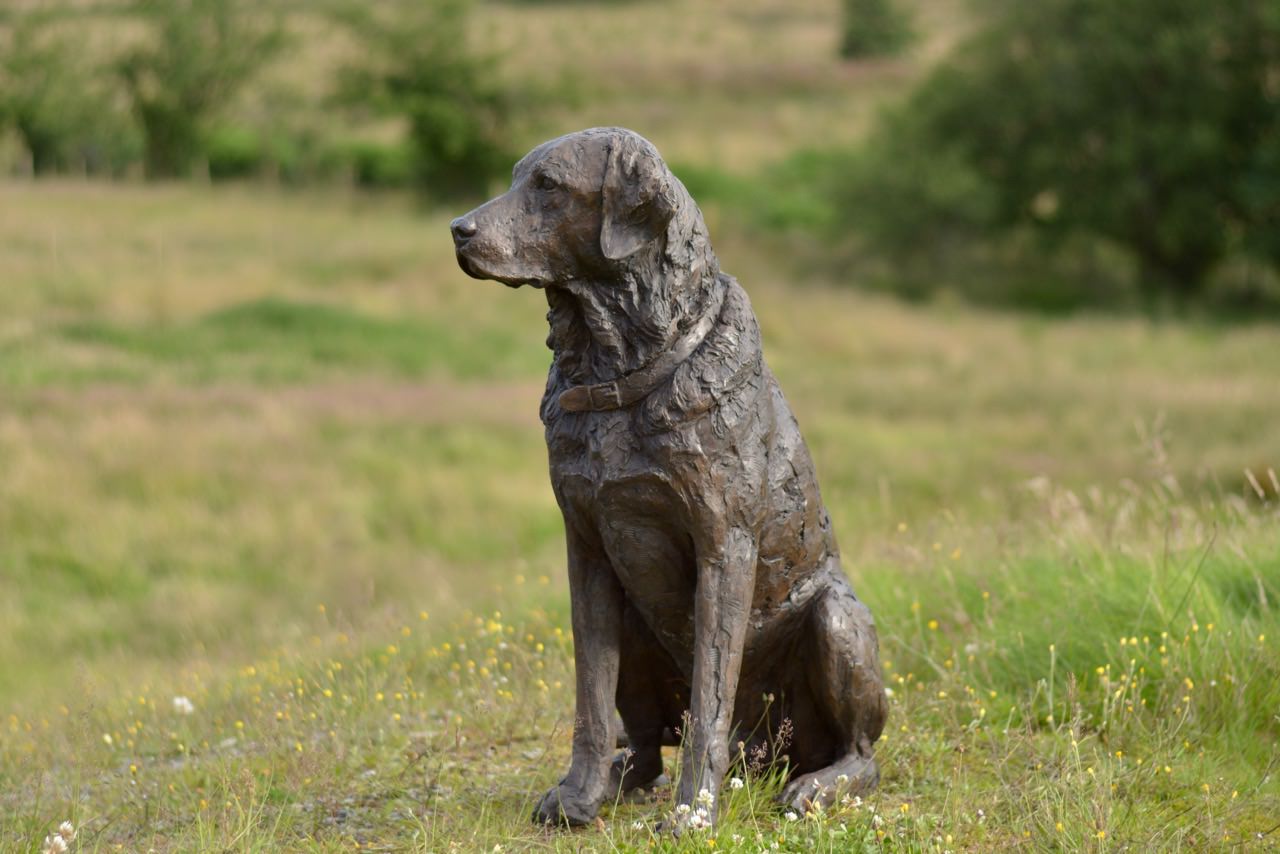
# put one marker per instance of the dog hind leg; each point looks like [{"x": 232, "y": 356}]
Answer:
[
  {"x": 847, "y": 689},
  {"x": 648, "y": 692}
]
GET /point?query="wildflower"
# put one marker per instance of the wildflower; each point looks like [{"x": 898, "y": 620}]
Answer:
[
  {"x": 183, "y": 706},
  {"x": 637, "y": 825},
  {"x": 735, "y": 783},
  {"x": 67, "y": 831},
  {"x": 54, "y": 844},
  {"x": 683, "y": 809},
  {"x": 792, "y": 816},
  {"x": 705, "y": 798},
  {"x": 842, "y": 780}
]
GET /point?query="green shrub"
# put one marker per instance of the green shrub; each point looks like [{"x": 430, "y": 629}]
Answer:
[
  {"x": 235, "y": 153},
  {"x": 53, "y": 101},
  {"x": 197, "y": 57},
  {"x": 378, "y": 165},
  {"x": 419, "y": 67},
  {"x": 874, "y": 28},
  {"x": 1153, "y": 125}
]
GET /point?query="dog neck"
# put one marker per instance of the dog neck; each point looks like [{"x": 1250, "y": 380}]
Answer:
[{"x": 601, "y": 330}]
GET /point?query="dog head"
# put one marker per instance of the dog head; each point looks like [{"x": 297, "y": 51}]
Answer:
[{"x": 578, "y": 207}]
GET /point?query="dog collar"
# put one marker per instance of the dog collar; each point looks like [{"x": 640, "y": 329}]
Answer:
[{"x": 635, "y": 386}]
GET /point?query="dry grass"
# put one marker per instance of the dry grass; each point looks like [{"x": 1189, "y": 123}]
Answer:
[{"x": 220, "y": 412}]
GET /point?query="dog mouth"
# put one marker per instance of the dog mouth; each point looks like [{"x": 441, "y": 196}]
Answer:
[{"x": 470, "y": 267}]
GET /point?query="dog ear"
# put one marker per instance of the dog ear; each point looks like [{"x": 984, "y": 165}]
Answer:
[{"x": 638, "y": 199}]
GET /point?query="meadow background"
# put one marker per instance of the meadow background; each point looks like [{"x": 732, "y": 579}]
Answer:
[{"x": 280, "y": 568}]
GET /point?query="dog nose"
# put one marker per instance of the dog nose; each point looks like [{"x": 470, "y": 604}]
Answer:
[{"x": 463, "y": 230}]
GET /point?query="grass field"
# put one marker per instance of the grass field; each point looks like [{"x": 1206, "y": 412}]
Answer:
[
  {"x": 277, "y": 456},
  {"x": 280, "y": 568}
]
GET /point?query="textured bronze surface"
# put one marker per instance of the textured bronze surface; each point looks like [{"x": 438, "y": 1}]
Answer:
[{"x": 705, "y": 581}]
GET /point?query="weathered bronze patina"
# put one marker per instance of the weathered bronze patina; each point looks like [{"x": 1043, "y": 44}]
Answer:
[{"x": 706, "y": 587}]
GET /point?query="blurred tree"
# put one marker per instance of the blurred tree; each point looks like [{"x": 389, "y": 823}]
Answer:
[
  {"x": 1154, "y": 124},
  {"x": 198, "y": 56},
  {"x": 874, "y": 28},
  {"x": 419, "y": 65},
  {"x": 47, "y": 95}
]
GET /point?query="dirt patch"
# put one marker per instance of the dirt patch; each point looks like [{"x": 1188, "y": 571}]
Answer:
[{"x": 428, "y": 402}]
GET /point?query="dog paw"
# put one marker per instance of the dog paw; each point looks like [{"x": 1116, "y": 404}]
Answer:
[
  {"x": 564, "y": 807},
  {"x": 821, "y": 789}
]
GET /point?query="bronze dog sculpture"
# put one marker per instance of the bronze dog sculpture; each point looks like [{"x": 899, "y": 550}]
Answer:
[{"x": 705, "y": 582}]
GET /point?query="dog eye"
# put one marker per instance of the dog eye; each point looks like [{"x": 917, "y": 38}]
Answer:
[{"x": 545, "y": 182}]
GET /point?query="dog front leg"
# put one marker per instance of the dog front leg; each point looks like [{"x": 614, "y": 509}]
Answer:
[
  {"x": 726, "y": 581},
  {"x": 595, "y": 598}
]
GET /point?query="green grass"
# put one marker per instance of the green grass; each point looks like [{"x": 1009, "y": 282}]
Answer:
[
  {"x": 241, "y": 482},
  {"x": 274, "y": 453}
]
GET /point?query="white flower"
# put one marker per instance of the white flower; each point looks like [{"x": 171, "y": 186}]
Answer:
[
  {"x": 637, "y": 825},
  {"x": 791, "y": 815},
  {"x": 55, "y": 844},
  {"x": 737, "y": 839},
  {"x": 183, "y": 706},
  {"x": 683, "y": 809},
  {"x": 888, "y": 692},
  {"x": 705, "y": 798},
  {"x": 67, "y": 831},
  {"x": 735, "y": 783}
]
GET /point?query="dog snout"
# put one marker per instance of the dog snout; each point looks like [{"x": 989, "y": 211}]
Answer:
[{"x": 463, "y": 229}]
